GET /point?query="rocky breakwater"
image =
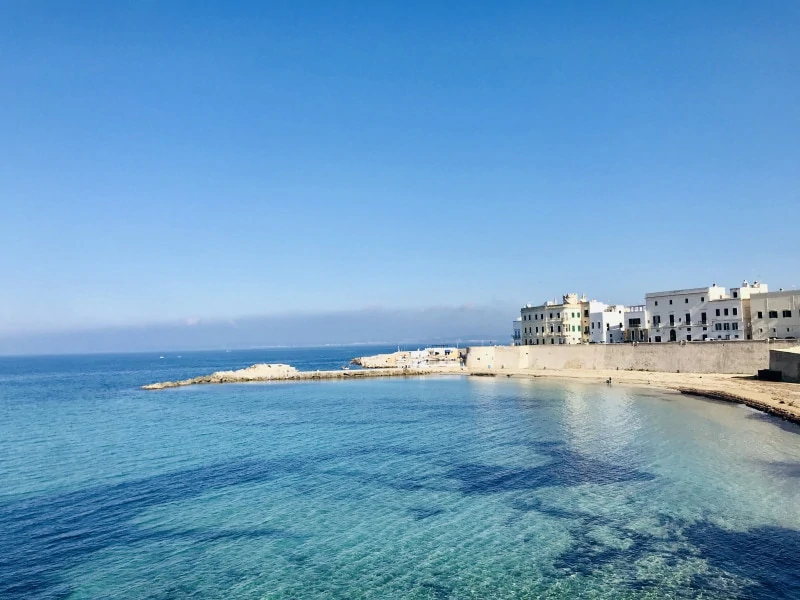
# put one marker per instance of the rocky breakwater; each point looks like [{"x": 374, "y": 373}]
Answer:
[
  {"x": 260, "y": 372},
  {"x": 277, "y": 372}
]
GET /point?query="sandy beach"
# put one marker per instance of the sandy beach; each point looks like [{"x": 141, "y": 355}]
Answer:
[{"x": 780, "y": 399}]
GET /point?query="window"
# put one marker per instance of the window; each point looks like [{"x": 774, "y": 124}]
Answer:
[
  {"x": 586, "y": 313},
  {"x": 735, "y": 294},
  {"x": 688, "y": 318},
  {"x": 726, "y": 312},
  {"x": 703, "y": 318},
  {"x": 702, "y": 298},
  {"x": 735, "y": 311},
  {"x": 726, "y": 326},
  {"x": 760, "y": 315},
  {"x": 670, "y": 301},
  {"x": 551, "y": 329},
  {"x": 558, "y": 315},
  {"x": 634, "y": 322},
  {"x": 537, "y": 330},
  {"x": 656, "y": 302},
  {"x": 688, "y": 338},
  {"x": 787, "y": 314},
  {"x": 658, "y": 338},
  {"x": 656, "y": 320},
  {"x": 686, "y": 301},
  {"x": 671, "y": 320},
  {"x": 773, "y": 314},
  {"x": 717, "y": 312},
  {"x": 592, "y": 324},
  {"x": 559, "y": 329},
  {"x": 718, "y": 326},
  {"x": 551, "y": 315},
  {"x": 735, "y": 326},
  {"x": 573, "y": 328}
]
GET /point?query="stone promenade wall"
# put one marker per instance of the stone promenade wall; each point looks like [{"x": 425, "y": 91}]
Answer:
[{"x": 745, "y": 357}]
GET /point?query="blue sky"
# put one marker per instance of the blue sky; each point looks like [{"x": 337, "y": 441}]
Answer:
[{"x": 180, "y": 160}]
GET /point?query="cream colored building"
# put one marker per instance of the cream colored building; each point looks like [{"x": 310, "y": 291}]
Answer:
[
  {"x": 775, "y": 315},
  {"x": 556, "y": 323}
]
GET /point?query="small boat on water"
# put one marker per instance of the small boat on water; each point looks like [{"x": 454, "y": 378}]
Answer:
[{"x": 345, "y": 367}]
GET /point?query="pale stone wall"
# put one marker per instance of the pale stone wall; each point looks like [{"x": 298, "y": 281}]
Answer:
[
  {"x": 744, "y": 357},
  {"x": 787, "y": 362}
]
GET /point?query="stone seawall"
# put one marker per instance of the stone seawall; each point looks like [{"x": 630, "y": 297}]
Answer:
[
  {"x": 744, "y": 357},
  {"x": 787, "y": 361}
]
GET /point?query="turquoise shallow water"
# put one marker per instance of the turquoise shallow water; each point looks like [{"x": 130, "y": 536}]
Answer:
[{"x": 394, "y": 488}]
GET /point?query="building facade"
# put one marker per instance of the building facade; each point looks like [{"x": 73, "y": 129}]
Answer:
[
  {"x": 681, "y": 315},
  {"x": 726, "y": 320},
  {"x": 607, "y": 326},
  {"x": 516, "y": 335},
  {"x": 637, "y": 321},
  {"x": 553, "y": 322},
  {"x": 701, "y": 314},
  {"x": 775, "y": 315}
]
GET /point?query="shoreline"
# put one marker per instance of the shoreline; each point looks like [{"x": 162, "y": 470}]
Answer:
[
  {"x": 780, "y": 399},
  {"x": 776, "y": 398}
]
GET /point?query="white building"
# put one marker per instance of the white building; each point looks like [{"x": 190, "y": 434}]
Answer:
[
  {"x": 680, "y": 315},
  {"x": 637, "y": 321},
  {"x": 775, "y": 315},
  {"x": 607, "y": 326},
  {"x": 727, "y": 320},
  {"x": 516, "y": 337},
  {"x": 700, "y": 314}
]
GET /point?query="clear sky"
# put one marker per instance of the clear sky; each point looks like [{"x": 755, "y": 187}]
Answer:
[{"x": 181, "y": 160}]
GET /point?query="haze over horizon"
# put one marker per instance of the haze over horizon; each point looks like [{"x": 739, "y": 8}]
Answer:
[
  {"x": 375, "y": 171},
  {"x": 368, "y": 326}
]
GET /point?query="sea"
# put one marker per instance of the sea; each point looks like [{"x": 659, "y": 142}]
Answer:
[{"x": 432, "y": 487}]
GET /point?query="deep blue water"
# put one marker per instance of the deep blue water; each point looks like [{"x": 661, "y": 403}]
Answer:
[{"x": 387, "y": 488}]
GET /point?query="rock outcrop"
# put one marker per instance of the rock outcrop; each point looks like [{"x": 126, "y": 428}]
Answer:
[{"x": 259, "y": 372}]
